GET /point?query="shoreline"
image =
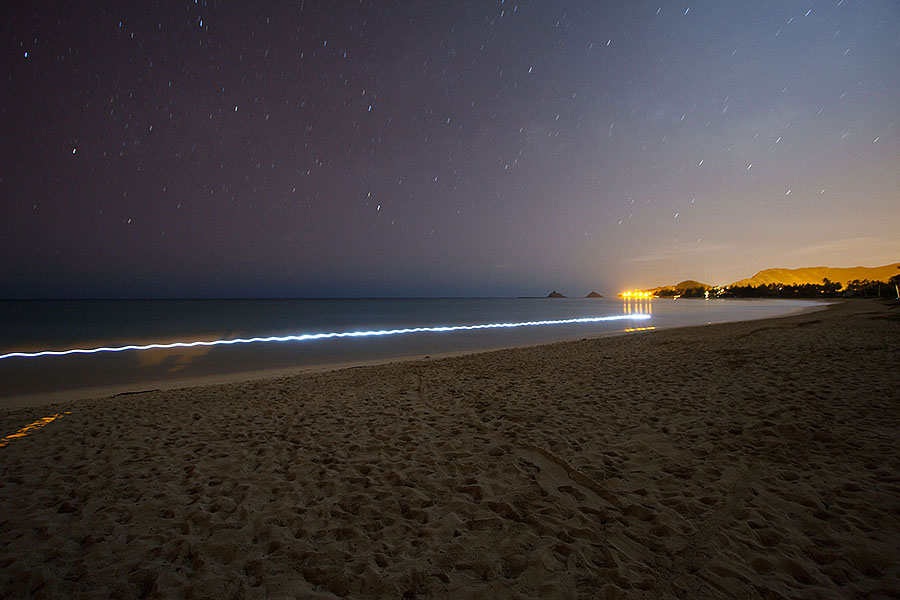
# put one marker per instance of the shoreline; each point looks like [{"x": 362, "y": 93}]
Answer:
[
  {"x": 114, "y": 390},
  {"x": 753, "y": 459}
]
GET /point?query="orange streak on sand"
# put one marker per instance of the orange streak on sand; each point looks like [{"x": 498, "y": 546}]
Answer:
[
  {"x": 31, "y": 427},
  {"x": 639, "y": 329}
]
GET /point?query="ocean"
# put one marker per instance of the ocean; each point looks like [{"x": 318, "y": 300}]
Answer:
[{"x": 34, "y": 326}]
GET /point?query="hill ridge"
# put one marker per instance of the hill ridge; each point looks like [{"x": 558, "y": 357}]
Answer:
[{"x": 803, "y": 275}]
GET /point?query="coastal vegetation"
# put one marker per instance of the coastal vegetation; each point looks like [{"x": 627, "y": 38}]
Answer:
[
  {"x": 864, "y": 288},
  {"x": 826, "y": 289}
]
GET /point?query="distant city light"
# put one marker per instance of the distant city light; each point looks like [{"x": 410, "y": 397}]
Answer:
[{"x": 320, "y": 336}]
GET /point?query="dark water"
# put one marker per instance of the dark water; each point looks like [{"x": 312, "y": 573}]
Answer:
[{"x": 31, "y": 326}]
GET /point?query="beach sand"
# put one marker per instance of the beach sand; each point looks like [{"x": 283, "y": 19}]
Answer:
[{"x": 745, "y": 460}]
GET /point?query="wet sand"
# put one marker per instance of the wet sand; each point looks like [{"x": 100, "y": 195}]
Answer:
[{"x": 745, "y": 460}]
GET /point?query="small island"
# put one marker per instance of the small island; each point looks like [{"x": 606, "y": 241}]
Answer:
[{"x": 555, "y": 294}]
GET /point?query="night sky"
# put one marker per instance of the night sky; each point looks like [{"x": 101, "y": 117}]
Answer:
[{"x": 319, "y": 149}]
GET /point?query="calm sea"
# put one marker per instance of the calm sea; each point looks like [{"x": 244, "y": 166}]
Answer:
[{"x": 31, "y": 326}]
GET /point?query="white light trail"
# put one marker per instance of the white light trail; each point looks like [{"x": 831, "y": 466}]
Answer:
[{"x": 318, "y": 336}]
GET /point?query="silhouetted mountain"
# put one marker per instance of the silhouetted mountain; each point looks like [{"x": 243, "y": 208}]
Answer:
[
  {"x": 679, "y": 288},
  {"x": 690, "y": 284}
]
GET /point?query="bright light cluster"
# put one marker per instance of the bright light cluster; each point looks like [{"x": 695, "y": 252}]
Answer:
[
  {"x": 636, "y": 294},
  {"x": 319, "y": 336}
]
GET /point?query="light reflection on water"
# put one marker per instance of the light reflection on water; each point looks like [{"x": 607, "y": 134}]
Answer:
[
  {"x": 174, "y": 360},
  {"x": 632, "y": 306}
]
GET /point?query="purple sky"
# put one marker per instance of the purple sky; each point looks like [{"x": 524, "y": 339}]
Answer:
[{"x": 442, "y": 148}]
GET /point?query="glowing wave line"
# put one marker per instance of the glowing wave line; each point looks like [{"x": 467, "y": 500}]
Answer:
[{"x": 318, "y": 336}]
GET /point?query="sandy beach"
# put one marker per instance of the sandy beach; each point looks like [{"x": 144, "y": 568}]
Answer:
[{"x": 745, "y": 460}]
